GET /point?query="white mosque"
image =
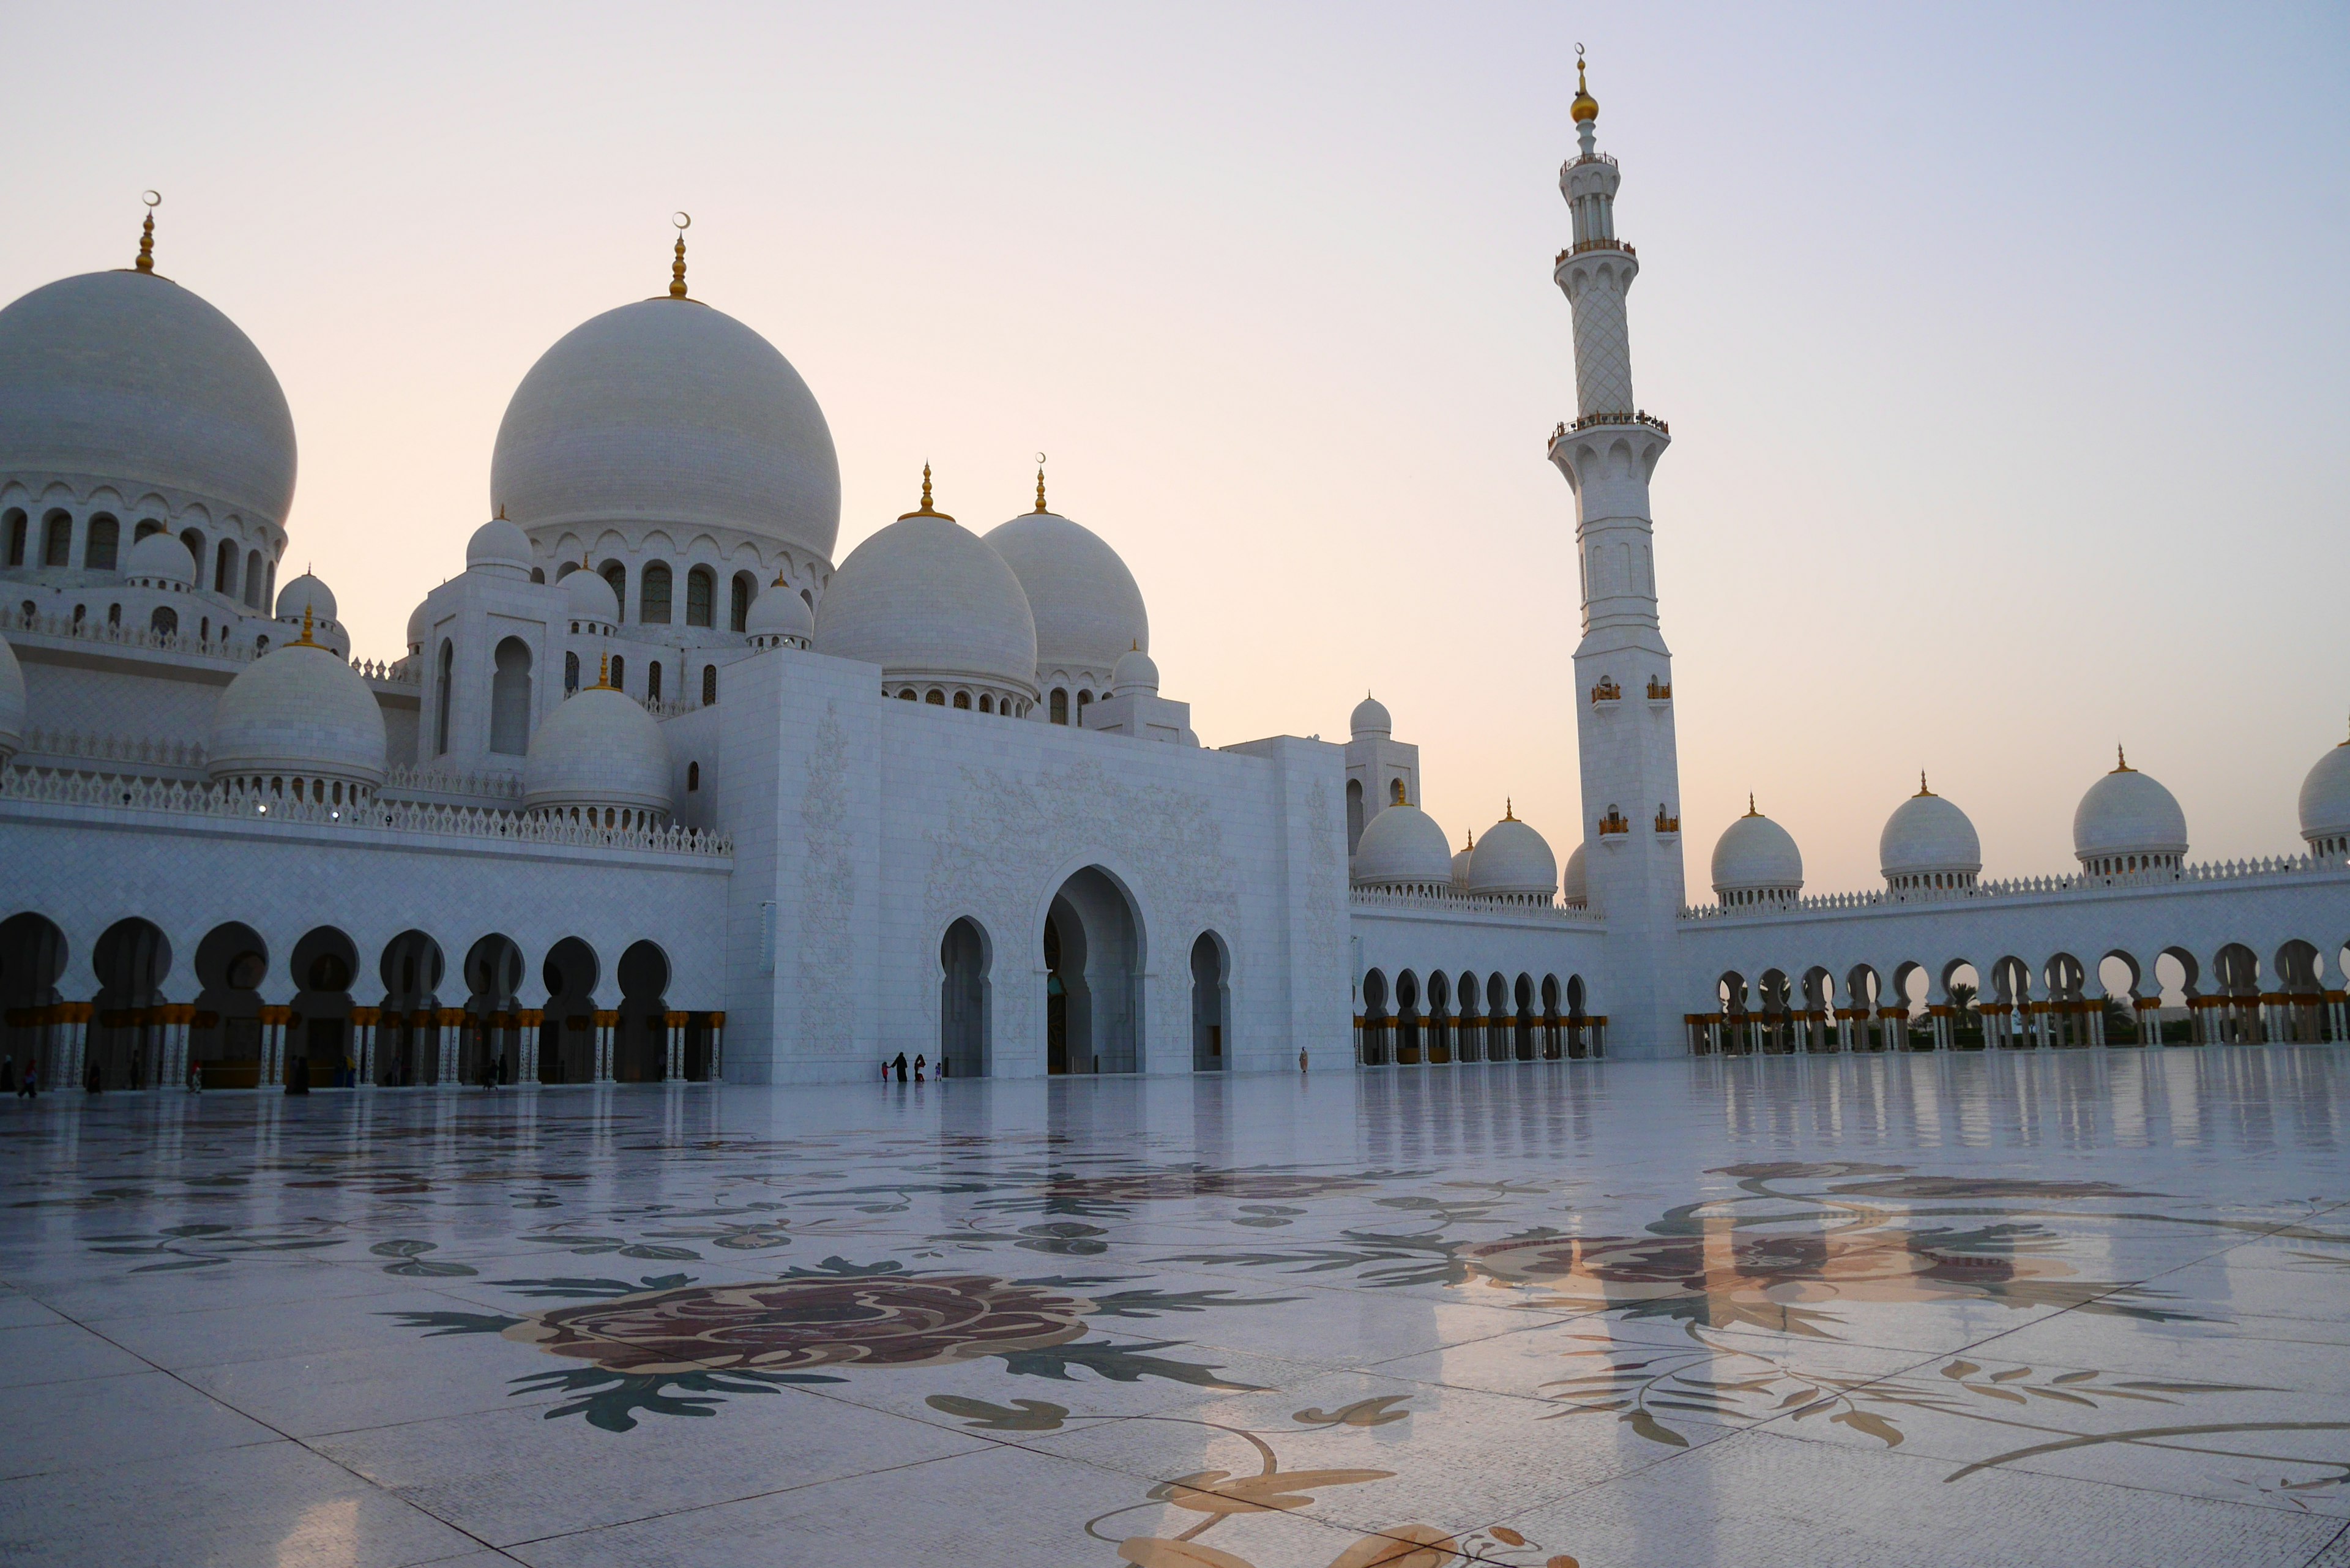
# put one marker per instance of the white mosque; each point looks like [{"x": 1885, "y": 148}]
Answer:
[{"x": 658, "y": 790}]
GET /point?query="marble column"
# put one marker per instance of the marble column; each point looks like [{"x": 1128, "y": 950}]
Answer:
[
  {"x": 717, "y": 1047},
  {"x": 605, "y": 1021},
  {"x": 527, "y": 1023},
  {"x": 363, "y": 1021},
  {"x": 674, "y": 1069}
]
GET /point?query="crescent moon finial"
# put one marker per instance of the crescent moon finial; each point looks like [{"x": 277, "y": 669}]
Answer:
[
  {"x": 681, "y": 220},
  {"x": 152, "y": 198}
]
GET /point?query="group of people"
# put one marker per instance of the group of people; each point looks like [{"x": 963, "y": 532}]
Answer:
[
  {"x": 27, "y": 1087},
  {"x": 898, "y": 1067}
]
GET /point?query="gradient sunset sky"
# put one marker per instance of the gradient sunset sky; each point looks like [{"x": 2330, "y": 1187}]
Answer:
[{"x": 2006, "y": 349}]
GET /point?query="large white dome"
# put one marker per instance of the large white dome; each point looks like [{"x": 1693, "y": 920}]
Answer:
[
  {"x": 667, "y": 411},
  {"x": 927, "y": 599},
  {"x": 2325, "y": 802},
  {"x": 1927, "y": 837},
  {"x": 129, "y": 378},
  {"x": 2127, "y": 814},
  {"x": 1512, "y": 861},
  {"x": 12, "y": 701},
  {"x": 1403, "y": 846},
  {"x": 1086, "y": 606},
  {"x": 598, "y": 749},
  {"x": 298, "y": 711},
  {"x": 1755, "y": 856}
]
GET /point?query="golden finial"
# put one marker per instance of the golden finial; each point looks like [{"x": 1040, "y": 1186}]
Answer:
[
  {"x": 2121, "y": 760},
  {"x": 683, "y": 221},
  {"x": 1040, "y": 482},
  {"x": 1922, "y": 790},
  {"x": 146, "y": 262},
  {"x": 1509, "y": 809},
  {"x": 603, "y": 673},
  {"x": 1749, "y": 804},
  {"x": 1472, "y": 839},
  {"x": 925, "y": 509},
  {"x": 1585, "y": 106},
  {"x": 501, "y": 511},
  {"x": 304, "y": 640}
]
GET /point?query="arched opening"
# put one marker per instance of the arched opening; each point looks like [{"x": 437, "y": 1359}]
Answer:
[
  {"x": 32, "y": 957},
  {"x": 619, "y": 673},
  {"x": 1525, "y": 992},
  {"x": 1578, "y": 1019},
  {"x": 2067, "y": 1020},
  {"x": 225, "y": 570},
  {"x": 1377, "y": 1026},
  {"x": 99, "y": 552},
  {"x": 231, "y": 962},
  {"x": 58, "y": 546},
  {"x": 1395, "y": 791},
  {"x": 195, "y": 541},
  {"x": 2300, "y": 1017},
  {"x": 493, "y": 972},
  {"x": 1211, "y": 1004},
  {"x": 15, "y": 522},
  {"x": 570, "y": 674},
  {"x": 700, "y": 595},
  {"x": 131, "y": 959},
  {"x": 641, "y": 1048},
  {"x": 325, "y": 963},
  {"x": 708, "y": 684},
  {"x": 1553, "y": 1047},
  {"x": 1407, "y": 1030},
  {"x": 1775, "y": 993},
  {"x": 510, "y": 698},
  {"x": 963, "y": 994},
  {"x": 2237, "y": 969},
  {"x": 934, "y": 697},
  {"x": 1092, "y": 982},
  {"x": 407, "y": 1038},
  {"x": 1470, "y": 1026},
  {"x": 442, "y": 687},
  {"x": 1499, "y": 1045},
  {"x": 1354, "y": 816},
  {"x": 567, "y": 1040},
  {"x": 654, "y": 681},
  {"x": 252, "y": 580},
  {"x": 1057, "y": 708},
  {"x": 164, "y": 622},
  {"x": 962, "y": 701},
  {"x": 652, "y": 589},
  {"x": 744, "y": 589},
  {"x": 1439, "y": 1024},
  {"x": 1085, "y": 699},
  {"x": 616, "y": 575}
]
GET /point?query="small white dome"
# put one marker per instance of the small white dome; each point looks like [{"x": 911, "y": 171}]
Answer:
[
  {"x": 1086, "y": 606},
  {"x": 305, "y": 592},
  {"x": 780, "y": 612},
  {"x": 298, "y": 710},
  {"x": 1461, "y": 860},
  {"x": 2325, "y": 798},
  {"x": 416, "y": 626},
  {"x": 1402, "y": 847},
  {"x": 12, "y": 701},
  {"x": 926, "y": 599},
  {"x": 598, "y": 748},
  {"x": 1927, "y": 836},
  {"x": 1577, "y": 886},
  {"x": 499, "y": 547},
  {"x": 587, "y": 596},
  {"x": 1512, "y": 861},
  {"x": 2126, "y": 813},
  {"x": 161, "y": 556},
  {"x": 127, "y": 376},
  {"x": 1755, "y": 854},
  {"x": 1135, "y": 672},
  {"x": 667, "y": 411},
  {"x": 1370, "y": 718}
]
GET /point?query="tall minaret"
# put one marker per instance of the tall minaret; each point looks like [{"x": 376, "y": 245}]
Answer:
[{"x": 1623, "y": 673}]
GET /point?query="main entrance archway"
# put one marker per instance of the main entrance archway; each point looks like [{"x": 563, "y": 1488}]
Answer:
[{"x": 1093, "y": 978}]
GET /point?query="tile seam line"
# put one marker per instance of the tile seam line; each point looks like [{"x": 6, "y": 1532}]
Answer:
[
  {"x": 285, "y": 1436},
  {"x": 2336, "y": 1539}
]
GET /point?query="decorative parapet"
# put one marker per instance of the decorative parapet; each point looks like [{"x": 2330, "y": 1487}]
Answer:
[
  {"x": 405, "y": 781},
  {"x": 396, "y": 672},
  {"x": 153, "y": 754},
  {"x": 1633, "y": 417},
  {"x": 1581, "y": 246},
  {"x": 1660, "y": 691},
  {"x": 1607, "y": 690},
  {"x": 1667, "y": 822},
  {"x": 2266, "y": 869},
  {"x": 1616, "y": 822},
  {"x": 170, "y": 796},
  {"x": 65, "y": 629},
  {"x": 1444, "y": 900}
]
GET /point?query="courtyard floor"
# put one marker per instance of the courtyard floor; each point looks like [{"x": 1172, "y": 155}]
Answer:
[{"x": 2079, "y": 1308}]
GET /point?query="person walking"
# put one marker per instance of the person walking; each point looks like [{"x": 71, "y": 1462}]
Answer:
[{"x": 900, "y": 1065}]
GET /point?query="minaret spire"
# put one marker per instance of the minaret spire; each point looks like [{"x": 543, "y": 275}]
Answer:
[
  {"x": 683, "y": 221},
  {"x": 146, "y": 262}
]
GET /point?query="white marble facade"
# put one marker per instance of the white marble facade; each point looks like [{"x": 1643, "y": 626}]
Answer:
[{"x": 656, "y": 788}]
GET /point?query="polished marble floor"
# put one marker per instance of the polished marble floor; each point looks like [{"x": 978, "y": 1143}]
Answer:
[{"x": 2077, "y": 1308}]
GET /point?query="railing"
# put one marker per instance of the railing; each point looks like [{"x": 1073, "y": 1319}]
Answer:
[
  {"x": 391, "y": 673},
  {"x": 152, "y": 754},
  {"x": 1607, "y": 158},
  {"x": 1581, "y": 247},
  {"x": 669, "y": 707},
  {"x": 91, "y": 630},
  {"x": 2266, "y": 866},
  {"x": 47, "y": 786},
  {"x": 405, "y": 781},
  {"x": 1638, "y": 416},
  {"x": 1445, "y": 898}
]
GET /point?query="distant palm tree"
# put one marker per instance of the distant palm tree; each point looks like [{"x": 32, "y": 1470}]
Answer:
[{"x": 1962, "y": 997}]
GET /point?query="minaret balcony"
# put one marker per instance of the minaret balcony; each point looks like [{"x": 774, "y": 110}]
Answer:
[
  {"x": 1589, "y": 421},
  {"x": 1580, "y": 246}
]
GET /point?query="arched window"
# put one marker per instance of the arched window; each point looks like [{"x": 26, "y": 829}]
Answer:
[
  {"x": 617, "y": 576},
  {"x": 653, "y": 607},
  {"x": 962, "y": 701},
  {"x": 936, "y": 698},
  {"x": 225, "y": 570},
  {"x": 538, "y": 574},
  {"x": 745, "y": 587},
  {"x": 440, "y": 693},
  {"x": 708, "y": 684},
  {"x": 510, "y": 699},
  {"x": 252, "y": 580},
  {"x": 1085, "y": 698},
  {"x": 1395, "y": 791},
  {"x": 693, "y": 776},
  {"x": 570, "y": 674},
  {"x": 195, "y": 541},
  {"x": 619, "y": 673},
  {"x": 58, "y": 547},
  {"x": 269, "y": 587},
  {"x": 653, "y": 682},
  {"x": 17, "y": 525},
  {"x": 986, "y": 703},
  {"x": 1060, "y": 707},
  {"x": 99, "y": 552},
  {"x": 700, "y": 590},
  {"x": 1354, "y": 813},
  {"x": 114, "y": 615},
  {"x": 164, "y": 622},
  {"x": 905, "y": 696},
  {"x": 145, "y": 525}
]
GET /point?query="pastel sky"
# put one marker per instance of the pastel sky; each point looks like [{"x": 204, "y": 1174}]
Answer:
[{"x": 2005, "y": 347}]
